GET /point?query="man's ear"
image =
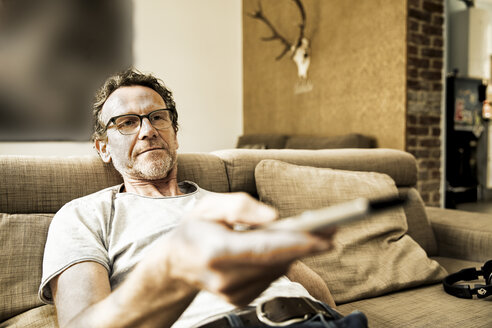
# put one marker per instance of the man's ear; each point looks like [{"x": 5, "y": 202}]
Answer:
[
  {"x": 102, "y": 149},
  {"x": 176, "y": 138}
]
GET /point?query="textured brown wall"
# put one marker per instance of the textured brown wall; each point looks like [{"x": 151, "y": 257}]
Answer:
[{"x": 358, "y": 70}]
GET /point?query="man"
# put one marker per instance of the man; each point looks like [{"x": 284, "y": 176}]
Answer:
[{"x": 137, "y": 255}]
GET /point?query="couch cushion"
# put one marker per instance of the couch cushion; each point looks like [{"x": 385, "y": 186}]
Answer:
[
  {"x": 22, "y": 237},
  {"x": 241, "y": 163},
  {"x": 351, "y": 140},
  {"x": 372, "y": 257},
  {"x": 473, "y": 231},
  {"x": 40, "y": 317},
  {"x": 44, "y": 184},
  {"x": 427, "y": 306},
  {"x": 454, "y": 265}
]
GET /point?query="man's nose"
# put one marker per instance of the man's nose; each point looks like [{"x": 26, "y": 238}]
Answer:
[{"x": 147, "y": 130}]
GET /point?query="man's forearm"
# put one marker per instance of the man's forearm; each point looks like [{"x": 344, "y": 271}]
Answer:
[
  {"x": 149, "y": 297},
  {"x": 157, "y": 306},
  {"x": 152, "y": 309}
]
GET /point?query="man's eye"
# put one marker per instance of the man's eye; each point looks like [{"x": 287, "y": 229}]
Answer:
[
  {"x": 159, "y": 117},
  {"x": 127, "y": 122}
]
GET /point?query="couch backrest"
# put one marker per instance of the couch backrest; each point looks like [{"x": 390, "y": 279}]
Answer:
[
  {"x": 265, "y": 141},
  {"x": 281, "y": 141},
  {"x": 44, "y": 184},
  {"x": 241, "y": 163},
  {"x": 32, "y": 184},
  {"x": 351, "y": 140}
]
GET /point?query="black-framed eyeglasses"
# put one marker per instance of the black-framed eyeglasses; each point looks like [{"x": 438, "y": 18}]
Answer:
[{"x": 130, "y": 123}]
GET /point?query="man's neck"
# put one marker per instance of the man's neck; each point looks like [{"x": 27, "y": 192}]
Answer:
[{"x": 165, "y": 187}]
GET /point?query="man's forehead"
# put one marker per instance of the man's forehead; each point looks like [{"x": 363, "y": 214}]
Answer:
[{"x": 130, "y": 99}]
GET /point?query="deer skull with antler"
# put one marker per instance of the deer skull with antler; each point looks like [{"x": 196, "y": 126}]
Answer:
[{"x": 299, "y": 50}]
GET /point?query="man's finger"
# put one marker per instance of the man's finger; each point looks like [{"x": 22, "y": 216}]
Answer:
[
  {"x": 233, "y": 208},
  {"x": 269, "y": 247}
]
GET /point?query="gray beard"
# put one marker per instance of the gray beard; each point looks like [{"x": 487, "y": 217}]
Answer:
[{"x": 149, "y": 170}]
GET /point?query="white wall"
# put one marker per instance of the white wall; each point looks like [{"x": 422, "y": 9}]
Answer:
[
  {"x": 469, "y": 43},
  {"x": 195, "y": 46},
  {"x": 47, "y": 148}
]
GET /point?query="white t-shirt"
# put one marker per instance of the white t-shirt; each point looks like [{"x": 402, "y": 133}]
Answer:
[{"x": 115, "y": 229}]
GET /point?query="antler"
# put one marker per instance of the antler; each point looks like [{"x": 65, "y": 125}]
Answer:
[
  {"x": 303, "y": 23},
  {"x": 299, "y": 50},
  {"x": 258, "y": 14}
]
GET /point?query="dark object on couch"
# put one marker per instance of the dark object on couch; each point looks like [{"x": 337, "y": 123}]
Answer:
[{"x": 281, "y": 141}]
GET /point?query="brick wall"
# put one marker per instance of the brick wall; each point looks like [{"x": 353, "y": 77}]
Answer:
[{"x": 425, "y": 57}]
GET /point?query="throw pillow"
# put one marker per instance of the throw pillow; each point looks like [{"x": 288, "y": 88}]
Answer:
[
  {"x": 372, "y": 257},
  {"x": 22, "y": 237}
]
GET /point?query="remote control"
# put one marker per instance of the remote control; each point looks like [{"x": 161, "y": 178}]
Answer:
[{"x": 343, "y": 213}]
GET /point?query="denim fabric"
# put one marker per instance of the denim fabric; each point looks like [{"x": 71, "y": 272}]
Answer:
[{"x": 355, "y": 319}]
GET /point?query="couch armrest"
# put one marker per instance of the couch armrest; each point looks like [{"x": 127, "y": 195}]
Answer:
[{"x": 462, "y": 235}]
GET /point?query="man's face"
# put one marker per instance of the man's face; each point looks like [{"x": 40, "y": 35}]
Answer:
[{"x": 149, "y": 154}]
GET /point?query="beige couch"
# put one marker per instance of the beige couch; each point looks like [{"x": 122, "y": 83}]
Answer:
[
  {"x": 33, "y": 188},
  {"x": 284, "y": 141}
]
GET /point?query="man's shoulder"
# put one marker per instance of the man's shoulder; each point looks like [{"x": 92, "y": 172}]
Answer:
[
  {"x": 91, "y": 211},
  {"x": 97, "y": 199}
]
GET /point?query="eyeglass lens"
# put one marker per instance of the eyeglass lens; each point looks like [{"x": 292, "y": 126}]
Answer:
[{"x": 130, "y": 124}]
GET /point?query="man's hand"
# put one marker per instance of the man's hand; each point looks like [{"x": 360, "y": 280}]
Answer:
[
  {"x": 207, "y": 253},
  {"x": 204, "y": 252}
]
